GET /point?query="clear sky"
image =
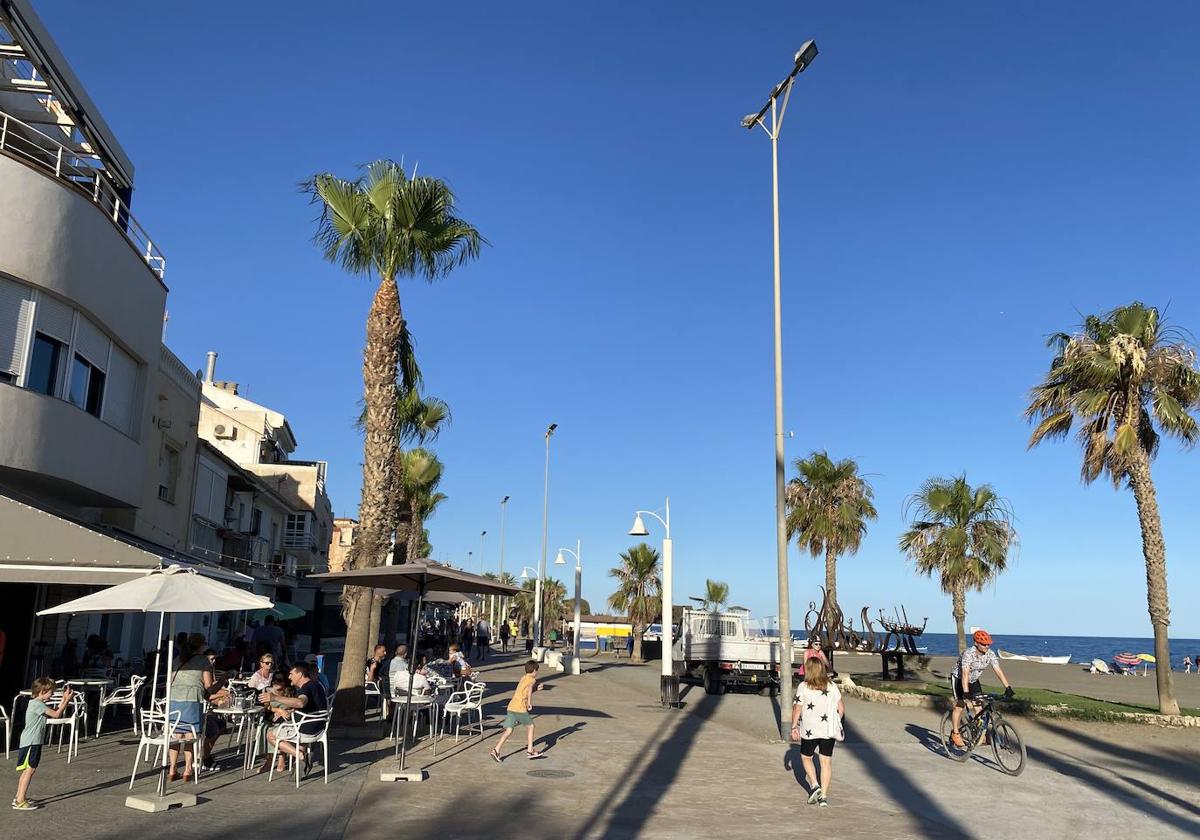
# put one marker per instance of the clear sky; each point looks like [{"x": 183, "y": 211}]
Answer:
[{"x": 959, "y": 180}]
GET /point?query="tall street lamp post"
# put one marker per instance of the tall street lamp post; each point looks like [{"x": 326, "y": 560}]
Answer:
[
  {"x": 561, "y": 561},
  {"x": 803, "y": 58},
  {"x": 668, "y": 683},
  {"x": 538, "y": 607},
  {"x": 482, "y": 565},
  {"x": 503, "y": 599}
]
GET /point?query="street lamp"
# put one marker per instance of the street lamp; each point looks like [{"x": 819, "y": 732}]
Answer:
[
  {"x": 537, "y": 606},
  {"x": 561, "y": 561},
  {"x": 803, "y": 58},
  {"x": 668, "y": 683}
]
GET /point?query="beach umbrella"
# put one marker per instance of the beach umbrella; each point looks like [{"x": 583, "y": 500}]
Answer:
[
  {"x": 1146, "y": 658},
  {"x": 421, "y": 577},
  {"x": 167, "y": 591}
]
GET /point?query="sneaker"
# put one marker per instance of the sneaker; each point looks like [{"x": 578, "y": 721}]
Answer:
[
  {"x": 815, "y": 796},
  {"x": 24, "y": 806},
  {"x": 822, "y": 802},
  {"x": 957, "y": 740}
]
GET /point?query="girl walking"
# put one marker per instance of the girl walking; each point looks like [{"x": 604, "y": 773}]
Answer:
[{"x": 817, "y": 722}]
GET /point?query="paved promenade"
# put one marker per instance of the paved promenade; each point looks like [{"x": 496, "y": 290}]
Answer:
[{"x": 618, "y": 766}]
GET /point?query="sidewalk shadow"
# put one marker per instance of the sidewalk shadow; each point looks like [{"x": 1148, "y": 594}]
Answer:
[
  {"x": 1176, "y": 766},
  {"x": 898, "y": 785}
]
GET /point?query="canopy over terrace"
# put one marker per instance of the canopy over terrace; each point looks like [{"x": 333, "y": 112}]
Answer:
[{"x": 421, "y": 577}]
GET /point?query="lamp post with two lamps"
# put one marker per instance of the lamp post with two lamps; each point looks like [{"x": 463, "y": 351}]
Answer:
[
  {"x": 561, "y": 561},
  {"x": 668, "y": 683},
  {"x": 803, "y": 58}
]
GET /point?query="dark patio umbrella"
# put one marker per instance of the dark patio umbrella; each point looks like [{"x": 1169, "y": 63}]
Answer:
[{"x": 420, "y": 577}]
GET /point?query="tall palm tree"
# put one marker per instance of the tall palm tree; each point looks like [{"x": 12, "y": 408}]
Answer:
[
  {"x": 960, "y": 533},
  {"x": 386, "y": 225},
  {"x": 554, "y": 594},
  {"x": 421, "y": 421},
  {"x": 716, "y": 594},
  {"x": 639, "y": 591},
  {"x": 1126, "y": 378},
  {"x": 829, "y": 505}
]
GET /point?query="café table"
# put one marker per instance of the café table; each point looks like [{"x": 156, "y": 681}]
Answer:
[
  {"x": 249, "y": 718},
  {"x": 89, "y": 685}
]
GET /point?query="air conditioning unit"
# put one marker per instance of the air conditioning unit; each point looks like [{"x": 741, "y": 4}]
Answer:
[{"x": 223, "y": 432}]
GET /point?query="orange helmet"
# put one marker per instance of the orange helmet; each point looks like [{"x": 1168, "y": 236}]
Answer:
[{"x": 982, "y": 637}]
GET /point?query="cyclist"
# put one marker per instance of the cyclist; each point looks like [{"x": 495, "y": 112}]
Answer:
[{"x": 965, "y": 679}]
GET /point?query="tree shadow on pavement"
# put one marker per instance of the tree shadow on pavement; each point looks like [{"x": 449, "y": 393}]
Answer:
[
  {"x": 1178, "y": 765},
  {"x": 895, "y": 780}
]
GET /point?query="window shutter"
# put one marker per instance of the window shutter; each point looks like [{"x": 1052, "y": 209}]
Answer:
[
  {"x": 91, "y": 343},
  {"x": 16, "y": 309},
  {"x": 120, "y": 409},
  {"x": 54, "y": 318}
]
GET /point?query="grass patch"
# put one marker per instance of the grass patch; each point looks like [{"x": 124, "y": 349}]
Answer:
[{"x": 1072, "y": 705}]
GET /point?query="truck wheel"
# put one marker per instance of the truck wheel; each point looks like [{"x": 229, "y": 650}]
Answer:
[{"x": 712, "y": 683}]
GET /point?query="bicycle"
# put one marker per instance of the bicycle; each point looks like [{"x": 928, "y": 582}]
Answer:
[{"x": 976, "y": 727}]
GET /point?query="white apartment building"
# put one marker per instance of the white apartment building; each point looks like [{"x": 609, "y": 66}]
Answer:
[{"x": 98, "y": 419}]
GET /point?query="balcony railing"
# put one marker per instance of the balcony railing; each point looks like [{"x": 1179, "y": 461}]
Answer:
[{"x": 26, "y": 143}]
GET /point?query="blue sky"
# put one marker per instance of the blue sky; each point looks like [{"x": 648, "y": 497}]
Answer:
[{"x": 958, "y": 180}]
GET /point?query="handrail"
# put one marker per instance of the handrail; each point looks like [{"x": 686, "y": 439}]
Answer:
[{"x": 33, "y": 146}]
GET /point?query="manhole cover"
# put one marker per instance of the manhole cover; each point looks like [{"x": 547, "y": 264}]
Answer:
[{"x": 550, "y": 774}]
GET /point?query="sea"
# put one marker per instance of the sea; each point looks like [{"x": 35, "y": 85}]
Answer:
[{"x": 1083, "y": 649}]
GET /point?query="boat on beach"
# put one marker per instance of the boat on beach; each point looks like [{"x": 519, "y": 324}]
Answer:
[{"x": 1045, "y": 660}]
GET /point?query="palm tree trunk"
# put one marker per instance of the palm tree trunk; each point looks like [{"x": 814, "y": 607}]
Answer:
[
  {"x": 380, "y": 361},
  {"x": 376, "y": 618},
  {"x": 1154, "y": 550},
  {"x": 637, "y": 641},
  {"x": 959, "y": 603},
  {"x": 831, "y": 577},
  {"x": 416, "y": 528}
]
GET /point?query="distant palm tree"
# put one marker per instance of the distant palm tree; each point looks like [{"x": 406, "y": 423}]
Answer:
[
  {"x": 1122, "y": 375},
  {"x": 960, "y": 533},
  {"x": 716, "y": 594},
  {"x": 387, "y": 225},
  {"x": 639, "y": 590},
  {"x": 419, "y": 476},
  {"x": 553, "y": 595},
  {"x": 829, "y": 505}
]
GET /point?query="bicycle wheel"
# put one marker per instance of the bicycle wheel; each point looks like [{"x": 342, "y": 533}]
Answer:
[
  {"x": 1008, "y": 747},
  {"x": 964, "y": 730}
]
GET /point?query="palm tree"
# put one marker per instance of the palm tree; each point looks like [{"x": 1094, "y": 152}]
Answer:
[
  {"x": 554, "y": 594},
  {"x": 639, "y": 590},
  {"x": 829, "y": 505},
  {"x": 716, "y": 594},
  {"x": 419, "y": 476},
  {"x": 1127, "y": 379},
  {"x": 387, "y": 225},
  {"x": 421, "y": 421},
  {"x": 960, "y": 533}
]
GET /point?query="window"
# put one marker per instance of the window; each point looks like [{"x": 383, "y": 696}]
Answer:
[
  {"x": 16, "y": 315},
  {"x": 295, "y": 533},
  {"x": 87, "y": 385},
  {"x": 168, "y": 471},
  {"x": 256, "y": 522},
  {"x": 46, "y": 365}
]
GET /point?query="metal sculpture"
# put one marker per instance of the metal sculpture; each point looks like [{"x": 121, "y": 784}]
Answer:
[{"x": 826, "y": 628}]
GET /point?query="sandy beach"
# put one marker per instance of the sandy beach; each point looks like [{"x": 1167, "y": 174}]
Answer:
[{"x": 1072, "y": 678}]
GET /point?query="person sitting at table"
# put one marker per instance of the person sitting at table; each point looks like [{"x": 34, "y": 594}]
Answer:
[
  {"x": 377, "y": 668},
  {"x": 261, "y": 679},
  {"x": 233, "y": 657},
  {"x": 277, "y": 712},
  {"x": 310, "y": 698},
  {"x": 398, "y": 665}
]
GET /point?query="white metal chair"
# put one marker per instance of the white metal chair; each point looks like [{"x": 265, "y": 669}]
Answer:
[
  {"x": 124, "y": 696},
  {"x": 420, "y": 703},
  {"x": 7, "y": 730},
  {"x": 151, "y": 735},
  {"x": 291, "y": 733},
  {"x": 465, "y": 702},
  {"x": 68, "y": 723},
  {"x": 373, "y": 693}
]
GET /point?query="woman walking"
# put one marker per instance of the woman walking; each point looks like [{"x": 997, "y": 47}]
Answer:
[{"x": 817, "y": 722}]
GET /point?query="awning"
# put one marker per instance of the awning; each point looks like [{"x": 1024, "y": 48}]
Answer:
[{"x": 39, "y": 547}]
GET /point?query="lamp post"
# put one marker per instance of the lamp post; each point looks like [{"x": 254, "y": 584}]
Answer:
[
  {"x": 537, "y": 605},
  {"x": 668, "y": 683},
  {"x": 503, "y": 598},
  {"x": 525, "y": 570},
  {"x": 482, "y": 566},
  {"x": 561, "y": 561},
  {"x": 803, "y": 59}
]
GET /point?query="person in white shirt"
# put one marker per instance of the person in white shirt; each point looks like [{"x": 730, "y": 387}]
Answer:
[
  {"x": 817, "y": 723},
  {"x": 398, "y": 668}
]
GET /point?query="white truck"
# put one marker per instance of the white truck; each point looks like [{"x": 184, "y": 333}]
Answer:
[{"x": 719, "y": 649}]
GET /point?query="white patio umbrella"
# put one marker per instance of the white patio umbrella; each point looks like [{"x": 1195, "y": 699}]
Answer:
[{"x": 167, "y": 591}]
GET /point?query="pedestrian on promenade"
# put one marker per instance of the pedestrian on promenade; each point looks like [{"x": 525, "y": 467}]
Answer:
[
  {"x": 483, "y": 638},
  {"x": 505, "y": 635},
  {"x": 519, "y": 708},
  {"x": 29, "y": 748},
  {"x": 817, "y": 721},
  {"x": 468, "y": 637},
  {"x": 1187, "y": 665}
]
